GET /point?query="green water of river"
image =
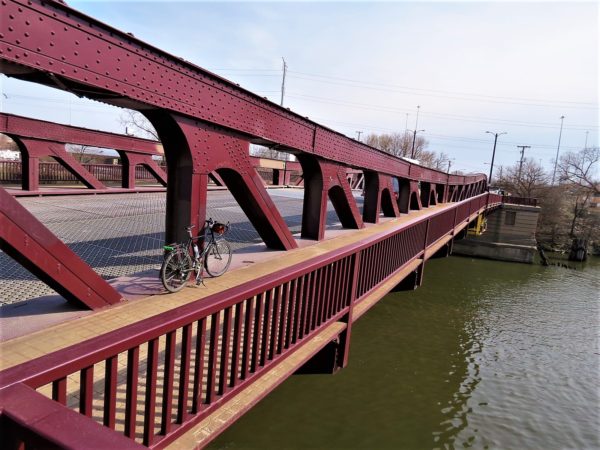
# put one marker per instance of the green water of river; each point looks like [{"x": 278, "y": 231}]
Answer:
[{"x": 484, "y": 355}]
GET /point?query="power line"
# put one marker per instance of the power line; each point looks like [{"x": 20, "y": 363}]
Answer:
[
  {"x": 477, "y": 98},
  {"x": 466, "y": 139},
  {"x": 410, "y": 88},
  {"x": 456, "y": 117}
]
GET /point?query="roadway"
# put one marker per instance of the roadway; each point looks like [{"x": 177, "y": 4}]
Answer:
[{"x": 122, "y": 235}]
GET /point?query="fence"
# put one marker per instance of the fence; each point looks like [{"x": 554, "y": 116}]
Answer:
[
  {"x": 51, "y": 172},
  {"x": 525, "y": 201},
  {"x": 153, "y": 380}
]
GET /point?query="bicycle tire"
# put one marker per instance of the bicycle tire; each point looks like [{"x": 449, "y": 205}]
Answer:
[
  {"x": 217, "y": 258},
  {"x": 176, "y": 270}
]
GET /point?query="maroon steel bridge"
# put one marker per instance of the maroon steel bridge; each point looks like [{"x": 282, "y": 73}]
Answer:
[
  {"x": 38, "y": 138},
  {"x": 226, "y": 345}
]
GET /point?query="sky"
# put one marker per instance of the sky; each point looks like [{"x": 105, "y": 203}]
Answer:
[{"x": 471, "y": 67}]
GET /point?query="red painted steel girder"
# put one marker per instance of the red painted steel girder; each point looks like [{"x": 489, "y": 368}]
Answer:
[
  {"x": 51, "y": 43},
  {"x": 28, "y": 241},
  {"x": 40, "y": 129}
]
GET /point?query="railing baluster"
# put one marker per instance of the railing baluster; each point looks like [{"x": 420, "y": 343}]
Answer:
[
  {"x": 133, "y": 367},
  {"x": 310, "y": 299},
  {"x": 167, "y": 404},
  {"x": 110, "y": 391},
  {"x": 285, "y": 315},
  {"x": 326, "y": 293},
  {"x": 275, "y": 326},
  {"x": 212, "y": 357},
  {"x": 258, "y": 315},
  {"x": 298, "y": 309},
  {"x": 264, "y": 347},
  {"x": 306, "y": 295},
  {"x": 184, "y": 373},
  {"x": 150, "y": 406},
  {"x": 59, "y": 390},
  {"x": 341, "y": 303},
  {"x": 291, "y": 310},
  {"x": 199, "y": 366},
  {"x": 237, "y": 340},
  {"x": 226, "y": 341},
  {"x": 86, "y": 391},
  {"x": 325, "y": 310},
  {"x": 247, "y": 351},
  {"x": 317, "y": 299}
]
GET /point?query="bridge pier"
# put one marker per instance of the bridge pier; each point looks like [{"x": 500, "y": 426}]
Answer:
[{"x": 411, "y": 282}]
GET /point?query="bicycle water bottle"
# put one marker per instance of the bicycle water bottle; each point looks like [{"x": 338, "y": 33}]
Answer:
[{"x": 196, "y": 251}]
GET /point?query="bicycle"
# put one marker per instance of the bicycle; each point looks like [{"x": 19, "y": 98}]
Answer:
[{"x": 181, "y": 259}]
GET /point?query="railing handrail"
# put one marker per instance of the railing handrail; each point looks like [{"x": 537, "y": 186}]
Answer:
[
  {"x": 525, "y": 201},
  {"x": 48, "y": 367}
]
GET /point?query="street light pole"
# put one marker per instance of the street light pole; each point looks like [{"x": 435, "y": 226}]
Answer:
[
  {"x": 562, "y": 118},
  {"x": 493, "y": 155}
]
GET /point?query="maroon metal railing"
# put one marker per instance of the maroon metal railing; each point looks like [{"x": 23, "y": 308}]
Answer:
[
  {"x": 525, "y": 201},
  {"x": 51, "y": 172},
  {"x": 185, "y": 363}
]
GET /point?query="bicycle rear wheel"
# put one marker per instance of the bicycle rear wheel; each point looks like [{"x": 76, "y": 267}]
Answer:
[
  {"x": 176, "y": 270},
  {"x": 218, "y": 258}
]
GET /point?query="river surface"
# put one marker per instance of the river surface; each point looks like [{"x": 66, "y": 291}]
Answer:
[{"x": 484, "y": 355}]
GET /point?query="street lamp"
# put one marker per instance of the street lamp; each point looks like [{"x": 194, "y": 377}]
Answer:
[
  {"x": 412, "y": 152},
  {"x": 493, "y": 154}
]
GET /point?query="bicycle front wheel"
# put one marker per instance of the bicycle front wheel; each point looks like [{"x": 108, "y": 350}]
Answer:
[
  {"x": 176, "y": 270},
  {"x": 218, "y": 258}
]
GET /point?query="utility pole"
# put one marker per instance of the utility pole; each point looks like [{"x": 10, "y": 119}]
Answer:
[
  {"x": 449, "y": 165},
  {"x": 522, "y": 147},
  {"x": 562, "y": 118},
  {"x": 412, "y": 152},
  {"x": 358, "y": 133},
  {"x": 586, "y": 138},
  {"x": 283, "y": 80},
  {"x": 493, "y": 154},
  {"x": 406, "y": 124}
]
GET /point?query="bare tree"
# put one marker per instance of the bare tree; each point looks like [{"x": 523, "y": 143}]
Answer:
[
  {"x": 400, "y": 144},
  {"x": 80, "y": 152},
  {"x": 580, "y": 168},
  {"x": 578, "y": 172},
  {"x": 527, "y": 180},
  {"x": 269, "y": 153},
  {"x": 7, "y": 143},
  {"x": 136, "y": 124}
]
